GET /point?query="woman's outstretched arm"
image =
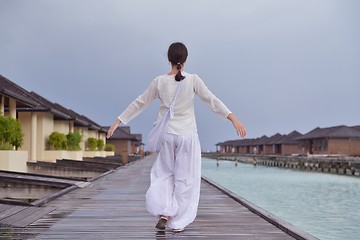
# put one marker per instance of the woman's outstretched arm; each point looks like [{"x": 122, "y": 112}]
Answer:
[{"x": 135, "y": 108}]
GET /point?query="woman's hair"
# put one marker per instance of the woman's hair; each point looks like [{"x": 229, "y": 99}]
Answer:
[{"x": 177, "y": 55}]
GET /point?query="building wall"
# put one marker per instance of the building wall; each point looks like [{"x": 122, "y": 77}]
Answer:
[
  {"x": 61, "y": 126},
  {"x": 45, "y": 126},
  {"x": 24, "y": 119},
  {"x": 288, "y": 149},
  {"x": 103, "y": 137},
  {"x": 268, "y": 149},
  {"x": 355, "y": 147},
  {"x": 252, "y": 149},
  {"x": 260, "y": 149},
  {"x": 230, "y": 149},
  {"x": 84, "y": 133},
  {"x": 242, "y": 150},
  {"x": 303, "y": 147},
  {"x": 344, "y": 146},
  {"x": 220, "y": 149},
  {"x": 93, "y": 134},
  {"x": 121, "y": 146}
]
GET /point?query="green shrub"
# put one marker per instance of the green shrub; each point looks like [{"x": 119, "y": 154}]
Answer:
[
  {"x": 100, "y": 144},
  {"x": 6, "y": 146},
  {"x": 4, "y": 133},
  {"x": 16, "y": 138},
  {"x": 10, "y": 133},
  {"x": 57, "y": 141},
  {"x": 110, "y": 147},
  {"x": 92, "y": 144},
  {"x": 73, "y": 141}
]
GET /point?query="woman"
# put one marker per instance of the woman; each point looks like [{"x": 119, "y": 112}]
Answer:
[{"x": 174, "y": 192}]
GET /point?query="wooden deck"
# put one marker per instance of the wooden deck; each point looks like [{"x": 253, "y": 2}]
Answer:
[
  {"x": 21, "y": 216},
  {"x": 113, "y": 207}
]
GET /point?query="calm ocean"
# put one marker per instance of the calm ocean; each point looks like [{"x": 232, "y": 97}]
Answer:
[{"x": 324, "y": 205}]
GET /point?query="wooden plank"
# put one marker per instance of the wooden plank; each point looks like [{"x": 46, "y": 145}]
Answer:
[
  {"x": 10, "y": 210},
  {"x": 32, "y": 216},
  {"x": 25, "y": 216},
  {"x": 4, "y": 207}
]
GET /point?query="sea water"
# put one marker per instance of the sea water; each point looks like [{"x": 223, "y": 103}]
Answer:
[{"x": 324, "y": 205}]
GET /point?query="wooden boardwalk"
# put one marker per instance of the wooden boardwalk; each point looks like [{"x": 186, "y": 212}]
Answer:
[
  {"x": 21, "y": 216},
  {"x": 113, "y": 207}
]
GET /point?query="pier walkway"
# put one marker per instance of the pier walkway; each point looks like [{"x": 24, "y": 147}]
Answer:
[{"x": 113, "y": 207}]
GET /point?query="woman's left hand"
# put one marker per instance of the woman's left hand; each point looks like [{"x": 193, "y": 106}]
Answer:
[
  {"x": 113, "y": 128},
  {"x": 239, "y": 126}
]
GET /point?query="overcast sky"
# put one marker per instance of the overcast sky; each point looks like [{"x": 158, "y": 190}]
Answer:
[{"x": 279, "y": 65}]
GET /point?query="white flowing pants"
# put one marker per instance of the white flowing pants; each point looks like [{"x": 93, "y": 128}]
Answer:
[{"x": 175, "y": 180}]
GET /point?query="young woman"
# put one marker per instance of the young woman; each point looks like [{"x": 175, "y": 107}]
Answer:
[{"x": 174, "y": 191}]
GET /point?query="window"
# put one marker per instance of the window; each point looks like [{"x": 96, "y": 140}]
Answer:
[{"x": 320, "y": 144}]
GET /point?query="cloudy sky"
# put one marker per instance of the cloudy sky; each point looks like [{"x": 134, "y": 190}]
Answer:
[{"x": 279, "y": 65}]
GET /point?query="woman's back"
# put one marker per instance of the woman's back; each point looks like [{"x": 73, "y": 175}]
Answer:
[
  {"x": 184, "y": 117},
  {"x": 184, "y": 121}
]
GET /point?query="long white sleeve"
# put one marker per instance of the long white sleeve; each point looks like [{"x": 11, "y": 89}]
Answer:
[
  {"x": 139, "y": 104},
  {"x": 215, "y": 104}
]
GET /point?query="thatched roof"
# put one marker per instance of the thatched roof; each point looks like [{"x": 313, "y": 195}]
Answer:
[
  {"x": 245, "y": 142},
  {"x": 356, "y": 127},
  {"x": 227, "y": 143},
  {"x": 290, "y": 138},
  {"x": 274, "y": 139},
  {"x": 260, "y": 141}
]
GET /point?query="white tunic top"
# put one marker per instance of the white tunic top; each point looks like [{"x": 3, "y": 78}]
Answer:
[{"x": 164, "y": 88}]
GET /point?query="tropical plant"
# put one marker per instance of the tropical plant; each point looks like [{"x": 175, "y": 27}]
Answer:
[
  {"x": 10, "y": 133},
  {"x": 73, "y": 141},
  {"x": 6, "y": 146},
  {"x": 16, "y": 136},
  {"x": 4, "y": 133},
  {"x": 57, "y": 141},
  {"x": 100, "y": 144},
  {"x": 92, "y": 143},
  {"x": 110, "y": 147}
]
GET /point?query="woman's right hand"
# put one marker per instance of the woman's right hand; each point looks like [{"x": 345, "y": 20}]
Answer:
[{"x": 113, "y": 128}]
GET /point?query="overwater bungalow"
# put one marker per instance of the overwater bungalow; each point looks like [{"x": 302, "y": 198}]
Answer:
[
  {"x": 258, "y": 145},
  {"x": 337, "y": 140},
  {"x": 288, "y": 145},
  {"x": 270, "y": 146},
  {"x": 227, "y": 146},
  {"x": 244, "y": 146}
]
